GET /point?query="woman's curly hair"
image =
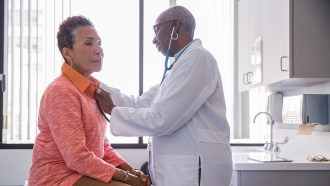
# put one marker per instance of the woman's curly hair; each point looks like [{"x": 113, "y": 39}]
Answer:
[{"x": 65, "y": 34}]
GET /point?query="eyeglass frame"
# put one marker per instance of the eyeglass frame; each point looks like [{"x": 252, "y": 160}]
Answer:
[{"x": 156, "y": 27}]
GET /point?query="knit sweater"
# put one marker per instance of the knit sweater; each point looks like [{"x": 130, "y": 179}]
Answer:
[{"x": 72, "y": 140}]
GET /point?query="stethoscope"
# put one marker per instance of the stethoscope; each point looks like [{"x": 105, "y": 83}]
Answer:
[
  {"x": 167, "y": 68},
  {"x": 102, "y": 112}
]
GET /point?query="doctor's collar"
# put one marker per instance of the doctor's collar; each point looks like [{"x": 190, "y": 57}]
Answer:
[{"x": 178, "y": 54}]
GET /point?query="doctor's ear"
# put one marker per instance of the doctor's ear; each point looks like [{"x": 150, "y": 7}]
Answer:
[{"x": 176, "y": 26}]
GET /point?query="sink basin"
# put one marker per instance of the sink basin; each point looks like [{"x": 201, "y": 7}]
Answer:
[{"x": 266, "y": 157}]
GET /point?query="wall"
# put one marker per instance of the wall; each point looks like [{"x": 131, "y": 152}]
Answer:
[
  {"x": 15, "y": 164},
  {"x": 301, "y": 146},
  {"x": 315, "y": 143}
]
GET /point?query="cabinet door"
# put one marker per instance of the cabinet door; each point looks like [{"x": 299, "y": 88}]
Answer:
[
  {"x": 310, "y": 39},
  {"x": 249, "y": 29},
  {"x": 275, "y": 34},
  {"x": 234, "y": 179},
  {"x": 284, "y": 177},
  {"x": 243, "y": 45}
]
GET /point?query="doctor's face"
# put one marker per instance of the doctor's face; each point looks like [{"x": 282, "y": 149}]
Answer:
[
  {"x": 87, "y": 53},
  {"x": 163, "y": 29}
]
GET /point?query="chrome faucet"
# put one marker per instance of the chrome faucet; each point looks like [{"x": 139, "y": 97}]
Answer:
[{"x": 269, "y": 145}]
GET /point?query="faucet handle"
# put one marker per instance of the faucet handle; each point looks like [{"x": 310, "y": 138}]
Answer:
[
  {"x": 276, "y": 148},
  {"x": 283, "y": 142},
  {"x": 266, "y": 146}
]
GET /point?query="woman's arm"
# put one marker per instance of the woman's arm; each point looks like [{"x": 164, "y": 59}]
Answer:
[{"x": 112, "y": 157}]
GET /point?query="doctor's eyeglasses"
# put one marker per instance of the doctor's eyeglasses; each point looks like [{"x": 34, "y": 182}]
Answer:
[{"x": 156, "y": 27}]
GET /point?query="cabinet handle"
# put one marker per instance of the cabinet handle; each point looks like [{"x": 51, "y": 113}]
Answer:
[
  {"x": 249, "y": 80},
  {"x": 246, "y": 79},
  {"x": 282, "y": 63}
]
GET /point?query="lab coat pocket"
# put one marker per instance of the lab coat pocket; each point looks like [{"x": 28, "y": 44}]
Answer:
[
  {"x": 176, "y": 170},
  {"x": 212, "y": 136}
]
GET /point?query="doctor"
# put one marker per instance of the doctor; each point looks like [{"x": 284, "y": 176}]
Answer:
[{"x": 185, "y": 114}]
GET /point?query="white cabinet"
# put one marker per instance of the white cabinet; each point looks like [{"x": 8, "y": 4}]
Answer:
[
  {"x": 249, "y": 30},
  {"x": 234, "y": 179},
  {"x": 275, "y": 32},
  {"x": 295, "y": 42},
  {"x": 244, "y": 66},
  {"x": 296, "y": 38}
]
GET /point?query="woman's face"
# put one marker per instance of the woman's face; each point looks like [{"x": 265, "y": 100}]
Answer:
[{"x": 87, "y": 53}]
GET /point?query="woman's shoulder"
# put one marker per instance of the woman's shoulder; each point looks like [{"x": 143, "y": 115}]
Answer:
[
  {"x": 60, "y": 93},
  {"x": 60, "y": 85}
]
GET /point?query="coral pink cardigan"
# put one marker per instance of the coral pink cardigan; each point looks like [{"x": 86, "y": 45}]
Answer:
[{"x": 72, "y": 140}]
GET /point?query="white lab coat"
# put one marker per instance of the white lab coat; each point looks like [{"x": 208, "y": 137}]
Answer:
[{"x": 186, "y": 117}]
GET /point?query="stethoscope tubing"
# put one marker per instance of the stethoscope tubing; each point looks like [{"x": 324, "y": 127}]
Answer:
[{"x": 168, "y": 53}]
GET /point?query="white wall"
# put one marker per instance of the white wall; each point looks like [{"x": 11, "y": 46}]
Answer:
[
  {"x": 15, "y": 164},
  {"x": 303, "y": 145}
]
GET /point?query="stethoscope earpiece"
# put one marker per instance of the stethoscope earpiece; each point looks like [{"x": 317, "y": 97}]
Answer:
[{"x": 169, "y": 45}]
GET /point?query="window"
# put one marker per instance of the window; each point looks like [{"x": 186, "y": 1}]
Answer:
[
  {"x": 32, "y": 60},
  {"x": 259, "y": 97}
]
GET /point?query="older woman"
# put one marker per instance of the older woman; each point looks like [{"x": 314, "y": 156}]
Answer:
[{"x": 72, "y": 148}]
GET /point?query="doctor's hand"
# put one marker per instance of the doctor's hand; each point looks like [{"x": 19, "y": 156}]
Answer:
[{"x": 104, "y": 99}]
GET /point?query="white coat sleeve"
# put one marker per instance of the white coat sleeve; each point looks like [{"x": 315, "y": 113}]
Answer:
[
  {"x": 123, "y": 100},
  {"x": 191, "y": 84}
]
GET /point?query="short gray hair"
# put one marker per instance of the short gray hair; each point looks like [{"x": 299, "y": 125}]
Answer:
[
  {"x": 65, "y": 34},
  {"x": 184, "y": 16}
]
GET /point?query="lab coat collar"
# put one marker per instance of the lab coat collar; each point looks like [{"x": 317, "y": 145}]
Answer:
[
  {"x": 82, "y": 83},
  {"x": 178, "y": 54}
]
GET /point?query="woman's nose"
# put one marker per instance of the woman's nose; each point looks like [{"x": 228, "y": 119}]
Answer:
[{"x": 99, "y": 50}]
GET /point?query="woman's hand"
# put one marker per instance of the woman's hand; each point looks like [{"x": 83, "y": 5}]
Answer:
[
  {"x": 131, "y": 179},
  {"x": 135, "y": 180},
  {"x": 104, "y": 99},
  {"x": 144, "y": 178}
]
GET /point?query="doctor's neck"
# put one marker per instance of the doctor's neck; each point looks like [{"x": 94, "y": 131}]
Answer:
[{"x": 180, "y": 43}]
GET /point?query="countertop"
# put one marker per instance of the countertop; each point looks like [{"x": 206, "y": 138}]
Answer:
[
  {"x": 300, "y": 162},
  {"x": 247, "y": 142}
]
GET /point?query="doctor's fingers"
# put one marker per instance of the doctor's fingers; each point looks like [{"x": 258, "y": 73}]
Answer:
[
  {"x": 101, "y": 91},
  {"x": 104, "y": 99},
  {"x": 101, "y": 94}
]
